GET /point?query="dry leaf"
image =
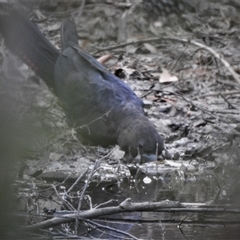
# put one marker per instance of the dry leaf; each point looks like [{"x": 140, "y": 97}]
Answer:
[
  {"x": 105, "y": 58},
  {"x": 166, "y": 77},
  {"x": 150, "y": 48}
]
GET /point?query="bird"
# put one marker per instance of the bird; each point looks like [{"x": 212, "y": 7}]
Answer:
[{"x": 100, "y": 106}]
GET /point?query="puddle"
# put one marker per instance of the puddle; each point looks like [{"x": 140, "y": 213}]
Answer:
[{"x": 204, "y": 195}]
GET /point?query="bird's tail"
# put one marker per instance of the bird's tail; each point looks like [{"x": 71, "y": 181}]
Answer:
[
  {"x": 68, "y": 34},
  {"x": 24, "y": 39}
]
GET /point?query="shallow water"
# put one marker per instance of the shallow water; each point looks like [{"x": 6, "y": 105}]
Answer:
[{"x": 191, "y": 190}]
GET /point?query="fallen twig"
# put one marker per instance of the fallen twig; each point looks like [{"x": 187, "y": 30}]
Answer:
[
  {"x": 218, "y": 93},
  {"x": 129, "y": 206},
  {"x": 110, "y": 228}
]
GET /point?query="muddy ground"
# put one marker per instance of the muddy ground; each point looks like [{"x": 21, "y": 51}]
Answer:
[{"x": 182, "y": 60}]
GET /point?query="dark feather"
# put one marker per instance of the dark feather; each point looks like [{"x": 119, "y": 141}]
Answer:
[{"x": 103, "y": 109}]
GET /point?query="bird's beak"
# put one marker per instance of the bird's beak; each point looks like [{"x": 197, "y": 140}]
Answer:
[
  {"x": 148, "y": 158},
  {"x": 153, "y": 157}
]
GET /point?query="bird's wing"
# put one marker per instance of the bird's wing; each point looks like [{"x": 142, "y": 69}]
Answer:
[{"x": 78, "y": 74}]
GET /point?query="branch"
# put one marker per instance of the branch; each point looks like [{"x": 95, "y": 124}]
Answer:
[
  {"x": 129, "y": 206},
  {"x": 125, "y": 206}
]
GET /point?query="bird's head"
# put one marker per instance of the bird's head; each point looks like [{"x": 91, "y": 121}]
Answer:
[{"x": 140, "y": 137}]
